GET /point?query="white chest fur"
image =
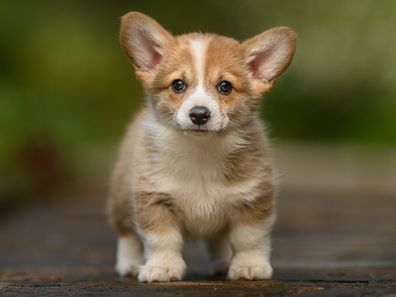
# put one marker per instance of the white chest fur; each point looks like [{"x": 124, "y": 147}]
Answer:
[{"x": 191, "y": 170}]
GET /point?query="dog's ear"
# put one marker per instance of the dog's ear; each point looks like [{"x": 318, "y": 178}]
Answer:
[
  {"x": 144, "y": 40},
  {"x": 268, "y": 55}
]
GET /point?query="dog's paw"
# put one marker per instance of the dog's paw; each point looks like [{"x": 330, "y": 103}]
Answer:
[
  {"x": 250, "y": 271},
  {"x": 158, "y": 271},
  {"x": 129, "y": 256},
  {"x": 149, "y": 273},
  {"x": 128, "y": 265},
  {"x": 125, "y": 269}
]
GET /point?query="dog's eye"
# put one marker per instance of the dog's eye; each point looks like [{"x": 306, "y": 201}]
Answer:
[
  {"x": 178, "y": 85},
  {"x": 224, "y": 87}
]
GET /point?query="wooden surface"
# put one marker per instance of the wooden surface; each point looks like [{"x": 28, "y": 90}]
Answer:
[{"x": 326, "y": 243}]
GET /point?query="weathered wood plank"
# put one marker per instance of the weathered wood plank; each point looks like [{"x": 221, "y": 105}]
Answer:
[{"x": 325, "y": 243}]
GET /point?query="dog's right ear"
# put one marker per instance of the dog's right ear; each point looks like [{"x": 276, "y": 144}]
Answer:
[{"x": 144, "y": 40}]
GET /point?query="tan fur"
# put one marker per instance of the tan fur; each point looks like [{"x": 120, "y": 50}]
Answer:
[{"x": 168, "y": 181}]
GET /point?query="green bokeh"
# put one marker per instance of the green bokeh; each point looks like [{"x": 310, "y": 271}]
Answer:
[{"x": 64, "y": 77}]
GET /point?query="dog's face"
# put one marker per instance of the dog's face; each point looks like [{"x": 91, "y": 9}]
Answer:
[{"x": 204, "y": 83}]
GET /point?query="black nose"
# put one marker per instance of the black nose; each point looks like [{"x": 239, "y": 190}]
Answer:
[{"x": 199, "y": 115}]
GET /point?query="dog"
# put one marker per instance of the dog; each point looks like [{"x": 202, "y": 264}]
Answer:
[{"x": 195, "y": 161}]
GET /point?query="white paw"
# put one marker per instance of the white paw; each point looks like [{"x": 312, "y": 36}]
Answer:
[
  {"x": 149, "y": 273},
  {"x": 127, "y": 269},
  {"x": 249, "y": 270},
  {"x": 129, "y": 256},
  {"x": 162, "y": 271}
]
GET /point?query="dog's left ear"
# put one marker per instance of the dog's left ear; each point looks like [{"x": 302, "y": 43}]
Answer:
[{"x": 268, "y": 55}]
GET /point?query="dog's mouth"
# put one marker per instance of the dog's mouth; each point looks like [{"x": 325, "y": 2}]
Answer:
[{"x": 198, "y": 131}]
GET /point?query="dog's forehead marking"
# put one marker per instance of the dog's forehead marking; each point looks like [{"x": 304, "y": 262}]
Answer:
[
  {"x": 199, "y": 95},
  {"x": 198, "y": 49}
]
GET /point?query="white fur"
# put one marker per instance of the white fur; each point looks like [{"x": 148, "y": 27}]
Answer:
[
  {"x": 164, "y": 259},
  {"x": 190, "y": 169},
  {"x": 200, "y": 96},
  {"x": 198, "y": 49},
  {"x": 252, "y": 248},
  {"x": 129, "y": 255}
]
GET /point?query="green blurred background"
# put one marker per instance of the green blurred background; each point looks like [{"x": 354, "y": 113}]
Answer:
[{"x": 67, "y": 90}]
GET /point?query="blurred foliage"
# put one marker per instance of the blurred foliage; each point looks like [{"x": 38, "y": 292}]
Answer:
[{"x": 65, "y": 81}]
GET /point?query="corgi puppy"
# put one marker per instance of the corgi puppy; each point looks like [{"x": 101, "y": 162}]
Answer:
[{"x": 195, "y": 162}]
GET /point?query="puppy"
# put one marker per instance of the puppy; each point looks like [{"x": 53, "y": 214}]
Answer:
[{"x": 196, "y": 161}]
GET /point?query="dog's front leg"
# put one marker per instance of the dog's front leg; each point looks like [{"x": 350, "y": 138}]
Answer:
[
  {"x": 250, "y": 242},
  {"x": 162, "y": 239}
]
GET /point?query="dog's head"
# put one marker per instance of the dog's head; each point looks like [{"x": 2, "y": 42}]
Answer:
[{"x": 204, "y": 83}]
